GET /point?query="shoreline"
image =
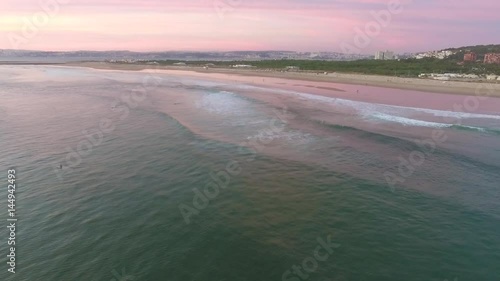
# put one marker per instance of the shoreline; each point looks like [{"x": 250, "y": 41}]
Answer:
[{"x": 414, "y": 84}]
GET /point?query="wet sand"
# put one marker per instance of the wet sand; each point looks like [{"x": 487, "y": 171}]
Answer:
[{"x": 415, "y": 84}]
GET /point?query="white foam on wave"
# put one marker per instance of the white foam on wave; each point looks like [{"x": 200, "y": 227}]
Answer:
[
  {"x": 240, "y": 112},
  {"x": 389, "y": 113},
  {"x": 409, "y": 122},
  {"x": 288, "y": 136},
  {"x": 366, "y": 108},
  {"x": 475, "y": 128},
  {"x": 420, "y": 123},
  {"x": 224, "y": 103}
]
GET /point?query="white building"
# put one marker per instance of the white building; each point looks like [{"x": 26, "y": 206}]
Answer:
[
  {"x": 387, "y": 55},
  {"x": 434, "y": 54},
  {"x": 448, "y": 76},
  {"x": 292, "y": 68},
  {"x": 242, "y": 66}
]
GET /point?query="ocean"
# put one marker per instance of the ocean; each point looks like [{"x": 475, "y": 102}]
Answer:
[{"x": 169, "y": 175}]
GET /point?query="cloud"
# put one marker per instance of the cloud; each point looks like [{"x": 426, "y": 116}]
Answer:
[{"x": 302, "y": 25}]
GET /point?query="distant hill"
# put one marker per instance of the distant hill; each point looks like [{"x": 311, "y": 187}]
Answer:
[
  {"x": 15, "y": 55},
  {"x": 480, "y": 51}
]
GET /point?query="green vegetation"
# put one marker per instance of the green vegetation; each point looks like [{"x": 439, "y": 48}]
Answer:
[{"x": 404, "y": 67}]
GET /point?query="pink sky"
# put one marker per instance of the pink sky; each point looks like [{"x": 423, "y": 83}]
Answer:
[{"x": 297, "y": 25}]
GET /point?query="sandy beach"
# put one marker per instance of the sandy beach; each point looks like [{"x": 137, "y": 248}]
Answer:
[{"x": 425, "y": 85}]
